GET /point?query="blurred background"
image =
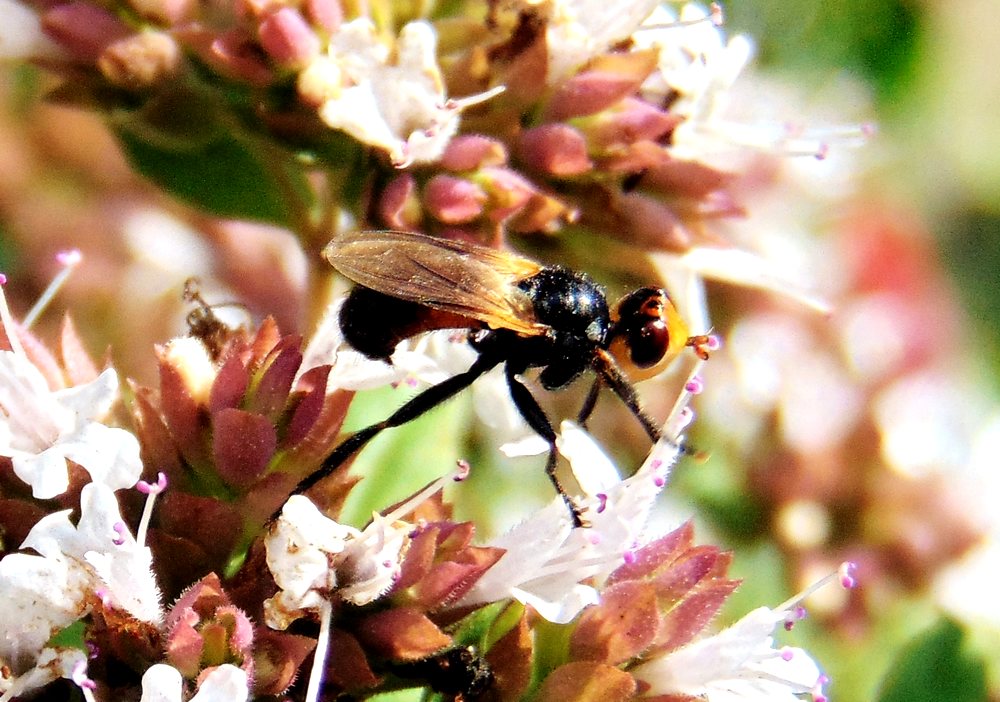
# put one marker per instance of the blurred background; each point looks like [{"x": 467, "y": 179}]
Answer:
[{"x": 871, "y": 433}]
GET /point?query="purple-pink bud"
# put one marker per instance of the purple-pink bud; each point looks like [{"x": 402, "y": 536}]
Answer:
[
  {"x": 288, "y": 38},
  {"x": 325, "y": 14},
  {"x": 509, "y": 191},
  {"x": 630, "y": 121},
  {"x": 471, "y": 151},
  {"x": 399, "y": 206},
  {"x": 555, "y": 149},
  {"x": 83, "y": 29},
  {"x": 588, "y": 93},
  {"x": 453, "y": 200}
]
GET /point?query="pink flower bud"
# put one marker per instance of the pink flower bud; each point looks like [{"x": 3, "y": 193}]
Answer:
[
  {"x": 324, "y": 14},
  {"x": 288, "y": 38},
  {"x": 509, "y": 191},
  {"x": 399, "y": 206},
  {"x": 453, "y": 200},
  {"x": 610, "y": 79},
  {"x": 83, "y": 29},
  {"x": 632, "y": 120},
  {"x": 471, "y": 151},
  {"x": 555, "y": 149},
  {"x": 588, "y": 93}
]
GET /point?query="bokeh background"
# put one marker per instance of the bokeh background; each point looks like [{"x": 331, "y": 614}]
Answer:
[{"x": 870, "y": 433}]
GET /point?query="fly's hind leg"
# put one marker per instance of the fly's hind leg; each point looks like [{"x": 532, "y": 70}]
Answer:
[
  {"x": 425, "y": 401},
  {"x": 534, "y": 415}
]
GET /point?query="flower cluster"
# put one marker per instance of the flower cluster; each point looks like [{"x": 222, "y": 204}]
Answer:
[
  {"x": 409, "y": 600},
  {"x": 157, "y": 544}
]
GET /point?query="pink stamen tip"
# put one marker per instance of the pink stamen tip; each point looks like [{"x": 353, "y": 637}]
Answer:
[
  {"x": 69, "y": 258},
  {"x": 789, "y": 624},
  {"x": 602, "y": 502},
  {"x": 464, "y": 469},
  {"x": 695, "y": 385},
  {"x": 594, "y": 538},
  {"x": 848, "y": 580},
  {"x": 119, "y": 528},
  {"x": 659, "y": 481},
  {"x": 387, "y": 564},
  {"x": 817, "y": 691},
  {"x": 412, "y": 382},
  {"x": 868, "y": 129},
  {"x": 153, "y": 488},
  {"x": 104, "y": 596},
  {"x": 714, "y": 342},
  {"x": 822, "y": 152},
  {"x": 79, "y": 676},
  {"x": 718, "y": 17},
  {"x": 655, "y": 464},
  {"x": 787, "y": 654},
  {"x": 93, "y": 650},
  {"x": 629, "y": 557},
  {"x": 3, "y": 279}
]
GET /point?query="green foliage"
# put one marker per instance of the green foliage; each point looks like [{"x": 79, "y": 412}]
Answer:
[
  {"x": 401, "y": 461},
  {"x": 936, "y": 666},
  {"x": 876, "y": 40},
  {"x": 221, "y": 177}
]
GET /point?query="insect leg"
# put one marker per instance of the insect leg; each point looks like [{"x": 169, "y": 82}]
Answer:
[
  {"x": 534, "y": 415},
  {"x": 607, "y": 369},
  {"x": 590, "y": 403},
  {"x": 426, "y": 400}
]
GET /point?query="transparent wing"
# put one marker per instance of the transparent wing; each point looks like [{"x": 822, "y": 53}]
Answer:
[{"x": 454, "y": 276}]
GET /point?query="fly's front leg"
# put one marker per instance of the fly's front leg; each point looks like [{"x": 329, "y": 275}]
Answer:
[{"x": 534, "y": 415}]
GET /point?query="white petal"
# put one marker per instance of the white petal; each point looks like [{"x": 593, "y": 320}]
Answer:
[
  {"x": 161, "y": 683},
  {"x": 45, "y": 472},
  {"x": 21, "y": 33},
  {"x": 592, "y": 468},
  {"x": 227, "y": 683},
  {"x": 41, "y": 596},
  {"x": 109, "y": 454},
  {"x": 91, "y": 400},
  {"x": 563, "y": 609}
]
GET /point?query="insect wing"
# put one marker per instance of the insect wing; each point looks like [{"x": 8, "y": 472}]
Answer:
[{"x": 454, "y": 276}]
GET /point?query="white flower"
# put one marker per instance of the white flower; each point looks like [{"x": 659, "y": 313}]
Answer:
[
  {"x": 389, "y": 98},
  {"x": 739, "y": 664},
  {"x": 312, "y": 557},
  {"x": 76, "y": 565},
  {"x": 555, "y": 568},
  {"x": 225, "y": 683},
  {"x": 41, "y": 428},
  {"x": 578, "y": 30},
  {"x": 697, "y": 63}
]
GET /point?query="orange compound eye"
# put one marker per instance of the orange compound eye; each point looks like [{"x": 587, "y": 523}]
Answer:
[{"x": 648, "y": 333}]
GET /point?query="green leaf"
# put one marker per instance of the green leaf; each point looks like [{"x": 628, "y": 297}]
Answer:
[
  {"x": 936, "y": 666},
  {"x": 221, "y": 177},
  {"x": 70, "y": 637}
]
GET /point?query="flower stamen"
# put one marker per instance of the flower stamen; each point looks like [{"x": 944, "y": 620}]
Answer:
[
  {"x": 151, "y": 490},
  {"x": 9, "y": 325},
  {"x": 69, "y": 260},
  {"x": 321, "y": 652}
]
